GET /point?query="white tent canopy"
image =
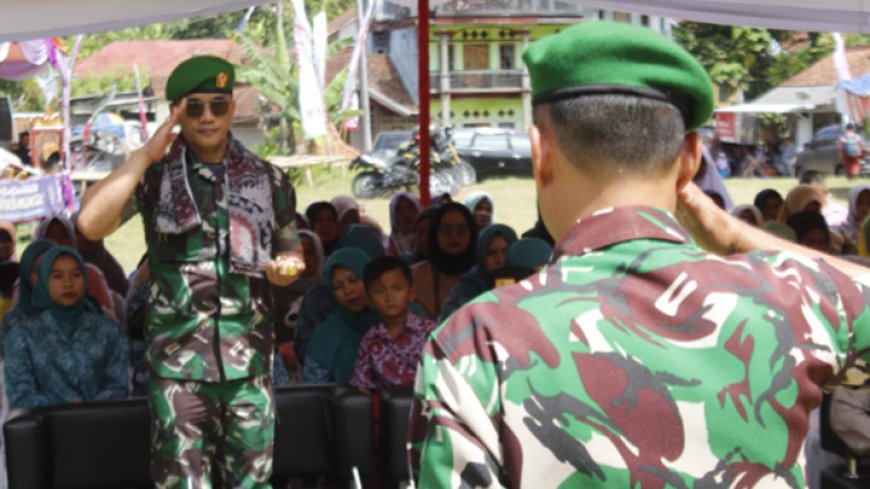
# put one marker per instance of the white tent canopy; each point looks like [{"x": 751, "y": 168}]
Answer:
[{"x": 49, "y": 18}]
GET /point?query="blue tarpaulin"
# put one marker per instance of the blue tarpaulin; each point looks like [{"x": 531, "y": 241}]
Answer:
[{"x": 856, "y": 86}]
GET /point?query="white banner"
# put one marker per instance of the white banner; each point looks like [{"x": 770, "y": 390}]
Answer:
[
  {"x": 311, "y": 104},
  {"x": 319, "y": 44},
  {"x": 350, "y": 87}
]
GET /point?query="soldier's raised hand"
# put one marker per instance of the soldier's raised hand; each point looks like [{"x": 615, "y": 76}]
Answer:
[{"x": 159, "y": 143}]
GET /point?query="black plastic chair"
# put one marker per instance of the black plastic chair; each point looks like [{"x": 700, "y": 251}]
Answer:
[{"x": 837, "y": 476}]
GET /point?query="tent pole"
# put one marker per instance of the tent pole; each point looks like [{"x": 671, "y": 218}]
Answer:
[{"x": 423, "y": 84}]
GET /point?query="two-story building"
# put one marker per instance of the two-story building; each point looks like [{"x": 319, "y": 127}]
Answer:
[{"x": 477, "y": 77}]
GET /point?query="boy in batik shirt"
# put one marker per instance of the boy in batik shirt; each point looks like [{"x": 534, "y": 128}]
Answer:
[{"x": 390, "y": 351}]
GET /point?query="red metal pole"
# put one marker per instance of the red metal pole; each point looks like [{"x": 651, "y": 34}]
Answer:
[{"x": 423, "y": 84}]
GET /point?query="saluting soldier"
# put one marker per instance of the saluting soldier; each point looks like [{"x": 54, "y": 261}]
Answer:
[
  {"x": 219, "y": 224},
  {"x": 636, "y": 358}
]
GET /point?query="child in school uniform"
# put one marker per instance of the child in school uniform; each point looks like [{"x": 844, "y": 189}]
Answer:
[{"x": 391, "y": 349}]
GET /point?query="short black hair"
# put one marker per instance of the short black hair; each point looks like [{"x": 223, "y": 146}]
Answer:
[
  {"x": 603, "y": 134},
  {"x": 379, "y": 266}
]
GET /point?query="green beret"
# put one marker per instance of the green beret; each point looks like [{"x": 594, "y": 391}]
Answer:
[
  {"x": 204, "y": 74},
  {"x": 611, "y": 58}
]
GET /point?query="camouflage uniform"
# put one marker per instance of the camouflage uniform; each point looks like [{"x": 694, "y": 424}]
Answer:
[
  {"x": 636, "y": 360},
  {"x": 210, "y": 338}
]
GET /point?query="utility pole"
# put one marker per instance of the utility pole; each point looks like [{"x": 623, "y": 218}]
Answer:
[{"x": 364, "y": 81}]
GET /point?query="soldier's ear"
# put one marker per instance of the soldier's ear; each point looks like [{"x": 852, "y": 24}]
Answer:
[
  {"x": 541, "y": 141},
  {"x": 689, "y": 160}
]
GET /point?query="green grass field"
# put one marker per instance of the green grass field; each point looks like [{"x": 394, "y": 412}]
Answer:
[{"x": 514, "y": 204}]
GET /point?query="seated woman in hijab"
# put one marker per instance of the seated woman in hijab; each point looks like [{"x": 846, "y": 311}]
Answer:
[
  {"x": 319, "y": 301},
  {"x": 493, "y": 243},
  {"x": 811, "y": 230},
  {"x": 800, "y": 198},
  {"x": 859, "y": 207},
  {"x": 452, "y": 242},
  {"x": 525, "y": 257},
  {"x": 332, "y": 352},
  {"x": 421, "y": 236},
  {"x": 748, "y": 213},
  {"x": 769, "y": 202},
  {"x": 65, "y": 353},
  {"x": 530, "y": 253},
  {"x": 347, "y": 211},
  {"x": 61, "y": 230},
  {"x": 323, "y": 220},
  {"x": 28, "y": 275},
  {"x": 404, "y": 209},
  {"x": 482, "y": 208}
]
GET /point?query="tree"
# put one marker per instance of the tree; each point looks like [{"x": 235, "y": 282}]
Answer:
[
  {"x": 749, "y": 59},
  {"x": 275, "y": 76}
]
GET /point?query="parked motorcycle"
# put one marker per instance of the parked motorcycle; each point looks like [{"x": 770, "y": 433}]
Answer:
[
  {"x": 401, "y": 172},
  {"x": 463, "y": 172}
]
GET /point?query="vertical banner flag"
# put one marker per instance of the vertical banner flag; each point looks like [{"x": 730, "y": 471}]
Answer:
[
  {"x": 846, "y": 103},
  {"x": 349, "y": 99},
  {"x": 311, "y": 104},
  {"x": 143, "y": 118},
  {"x": 319, "y": 43},
  {"x": 239, "y": 29}
]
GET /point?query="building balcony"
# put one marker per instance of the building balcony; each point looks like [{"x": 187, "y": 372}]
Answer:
[
  {"x": 504, "y": 8},
  {"x": 478, "y": 80}
]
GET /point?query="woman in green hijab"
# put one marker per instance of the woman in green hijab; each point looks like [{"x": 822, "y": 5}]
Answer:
[
  {"x": 65, "y": 353},
  {"x": 334, "y": 346}
]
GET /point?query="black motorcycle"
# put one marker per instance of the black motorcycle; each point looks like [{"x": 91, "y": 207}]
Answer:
[{"x": 401, "y": 172}]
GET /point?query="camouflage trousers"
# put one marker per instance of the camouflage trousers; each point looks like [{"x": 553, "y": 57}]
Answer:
[{"x": 201, "y": 429}]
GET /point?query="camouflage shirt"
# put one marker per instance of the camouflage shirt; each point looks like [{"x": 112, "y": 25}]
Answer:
[
  {"x": 636, "y": 360},
  {"x": 205, "y": 323}
]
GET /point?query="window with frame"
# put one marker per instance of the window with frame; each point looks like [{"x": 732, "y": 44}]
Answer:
[{"x": 507, "y": 55}]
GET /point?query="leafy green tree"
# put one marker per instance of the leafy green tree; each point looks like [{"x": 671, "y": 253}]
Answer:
[
  {"x": 273, "y": 73},
  {"x": 750, "y": 59}
]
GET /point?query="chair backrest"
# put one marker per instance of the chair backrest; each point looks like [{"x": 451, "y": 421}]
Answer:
[
  {"x": 319, "y": 430},
  {"x": 395, "y": 411},
  {"x": 92, "y": 445},
  {"x": 830, "y": 441}
]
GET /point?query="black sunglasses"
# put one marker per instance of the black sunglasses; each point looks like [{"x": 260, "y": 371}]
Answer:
[{"x": 219, "y": 107}]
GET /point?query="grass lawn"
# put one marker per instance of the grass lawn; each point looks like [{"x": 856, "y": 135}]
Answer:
[{"x": 514, "y": 204}]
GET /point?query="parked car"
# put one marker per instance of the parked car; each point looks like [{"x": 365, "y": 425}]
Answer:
[
  {"x": 495, "y": 152},
  {"x": 386, "y": 143},
  {"x": 822, "y": 153}
]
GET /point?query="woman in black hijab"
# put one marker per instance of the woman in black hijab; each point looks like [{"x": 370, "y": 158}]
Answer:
[{"x": 452, "y": 241}]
